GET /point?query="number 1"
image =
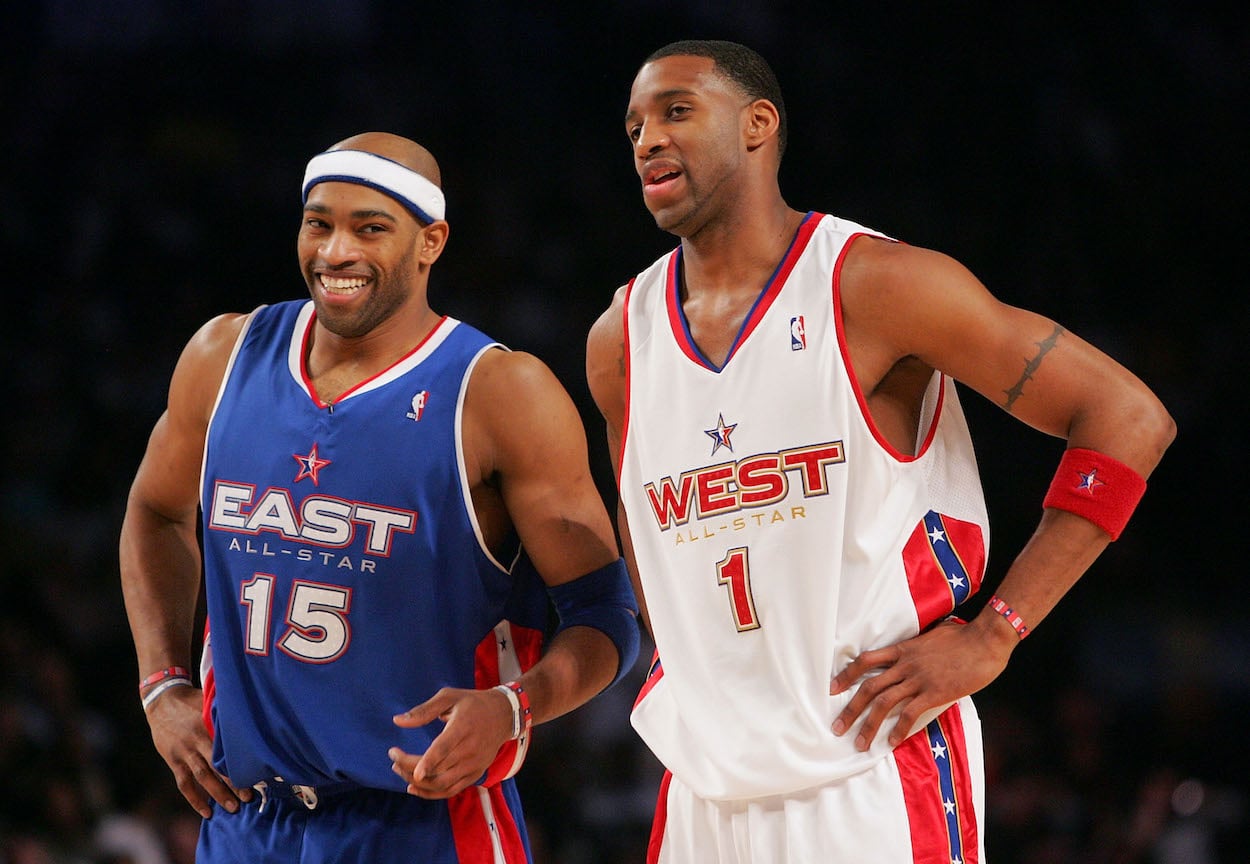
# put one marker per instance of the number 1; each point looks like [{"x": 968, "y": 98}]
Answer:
[{"x": 734, "y": 571}]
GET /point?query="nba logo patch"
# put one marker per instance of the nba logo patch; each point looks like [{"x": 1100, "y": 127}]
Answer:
[
  {"x": 798, "y": 334},
  {"x": 418, "y": 405}
]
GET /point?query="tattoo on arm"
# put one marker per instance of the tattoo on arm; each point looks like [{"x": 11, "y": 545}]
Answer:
[{"x": 1031, "y": 366}]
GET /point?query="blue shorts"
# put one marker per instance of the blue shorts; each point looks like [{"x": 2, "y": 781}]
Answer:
[{"x": 370, "y": 826}]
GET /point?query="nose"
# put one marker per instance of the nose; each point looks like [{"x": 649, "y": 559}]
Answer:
[
  {"x": 339, "y": 247},
  {"x": 650, "y": 141}
]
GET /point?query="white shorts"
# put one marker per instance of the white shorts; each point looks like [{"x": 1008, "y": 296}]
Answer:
[{"x": 919, "y": 805}]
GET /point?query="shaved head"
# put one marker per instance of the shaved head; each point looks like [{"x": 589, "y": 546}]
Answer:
[{"x": 397, "y": 148}]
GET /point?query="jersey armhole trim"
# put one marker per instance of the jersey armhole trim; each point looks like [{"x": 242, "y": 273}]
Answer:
[
  {"x": 926, "y": 437},
  {"x": 221, "y": 389},
  {"x": 466, "y": 496}
]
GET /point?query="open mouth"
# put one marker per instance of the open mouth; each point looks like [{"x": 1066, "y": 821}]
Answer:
[
  {"x": 342, "y": 285},
  {"x": 660, "y": 178}
]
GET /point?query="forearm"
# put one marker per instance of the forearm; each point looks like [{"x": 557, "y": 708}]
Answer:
[
  {"x": 1092, "y": 497},
  {"x": 1060, "y": 551},
  {"x": 160, "y": 574},
  {"x": 579, "y": 663}
]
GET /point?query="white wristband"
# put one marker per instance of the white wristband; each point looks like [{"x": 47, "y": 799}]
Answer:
[
  {"x": 162, "y": 687},
  {"x": 516, "y": 710}
]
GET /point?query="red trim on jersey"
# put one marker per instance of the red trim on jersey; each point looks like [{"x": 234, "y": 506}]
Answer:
[
  {"x": 620, "y": 453},
  {"x": 660, "y": 821},
  {"x": 471, "y": 827},
  {"x": 208, "y": 681},
  {"x": 782, "y": 273},
  {"x": 677, "y": 320},
  {"x": 854, "y": 379},
  {"x": 926, "y": 815},
  {"x": 653, "y": 678},
  {"x": 303, "y": 362}
]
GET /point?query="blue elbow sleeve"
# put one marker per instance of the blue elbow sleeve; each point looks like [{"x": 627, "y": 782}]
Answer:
[{"x": 604, "y": 600}]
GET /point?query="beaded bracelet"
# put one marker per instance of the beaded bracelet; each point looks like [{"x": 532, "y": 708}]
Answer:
[{"x": 1007, "y": 612}]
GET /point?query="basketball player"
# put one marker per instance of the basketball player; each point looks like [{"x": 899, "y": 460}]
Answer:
[
  {"x": 800, "y": 501},
  {"x": 380, "y": 485}
]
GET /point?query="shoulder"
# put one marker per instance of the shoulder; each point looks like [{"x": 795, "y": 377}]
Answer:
[
  {"x": 511, "y": 389},
  {"x": 887, "y": 265},
  {"x": 894, "y": 287},
  {"x": 605, "y": 357},
  {"x": 219, "y": 334},
  {"x": 501, "y": 369},
  {"x": 608, "y": 331},
  {"x": 516, "y": 410},
  {"x": 203, "y": 363}
]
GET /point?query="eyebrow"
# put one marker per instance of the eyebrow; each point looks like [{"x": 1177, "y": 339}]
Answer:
[
  {"x": 659, "y": 97},
  {"x": 355, "y": 214}
]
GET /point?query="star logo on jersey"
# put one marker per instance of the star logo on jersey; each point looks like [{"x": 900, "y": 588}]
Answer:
[
  {"x": 720, "y": 434},
  {"x": 1089, "y": 482},
  {"x": 310, "y": 465}
]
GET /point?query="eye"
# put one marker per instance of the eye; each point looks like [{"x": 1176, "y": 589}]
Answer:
[
  {"x": 634, "y": 132},
  {"x": 314, "y": 223},
  {"x": 676, "y": 112}
]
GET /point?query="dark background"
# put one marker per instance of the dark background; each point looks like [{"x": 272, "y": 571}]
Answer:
[{"x": 1085, "y": 163}]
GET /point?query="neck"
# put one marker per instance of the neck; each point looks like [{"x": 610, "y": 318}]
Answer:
[
  {"x": 741, "y": 251},
  {"x": 352, "y": 359}
]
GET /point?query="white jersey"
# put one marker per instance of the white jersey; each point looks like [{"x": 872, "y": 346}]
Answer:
[{"x": 777, "y": 533}]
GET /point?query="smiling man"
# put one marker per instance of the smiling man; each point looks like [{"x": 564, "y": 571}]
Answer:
[{"x": 390, "y": 500}]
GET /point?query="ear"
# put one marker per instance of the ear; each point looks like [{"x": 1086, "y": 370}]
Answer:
[
  {"x": 761, "y": 122},
  {"x": 431, "y": 241}
]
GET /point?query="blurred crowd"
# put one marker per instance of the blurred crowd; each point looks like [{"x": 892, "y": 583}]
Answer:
[{"x": 1087, "y": 164}]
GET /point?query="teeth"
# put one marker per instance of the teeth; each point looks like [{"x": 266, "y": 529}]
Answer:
[{"x": 332, "y": 283}]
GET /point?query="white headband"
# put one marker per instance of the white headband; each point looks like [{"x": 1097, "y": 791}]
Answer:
[{"x": 418, "y": 195}]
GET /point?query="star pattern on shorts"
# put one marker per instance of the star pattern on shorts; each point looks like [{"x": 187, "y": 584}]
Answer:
[
  {"x": 720, "y": 434},
  {"x": 310, "y": 465}
]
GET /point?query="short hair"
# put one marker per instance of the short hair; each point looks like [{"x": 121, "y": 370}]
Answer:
[{"x": 740, "y": 64}]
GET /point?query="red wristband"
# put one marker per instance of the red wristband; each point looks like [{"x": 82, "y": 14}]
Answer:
[
  {"x": 167, "y": 672},
  {"x": 1007, "y": 612},
  {"x": 1097, "y": 487}
]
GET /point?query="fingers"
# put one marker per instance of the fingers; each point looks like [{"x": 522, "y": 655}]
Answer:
[
  {"x": 200, "y": 778},
  {"x": 428, "y": 711},
  {"x": 178, "y": 732},
  {"x": 431, "y": 778},
  {"x": 860, "y": 666},
  {"x": 877, "y": 696}
]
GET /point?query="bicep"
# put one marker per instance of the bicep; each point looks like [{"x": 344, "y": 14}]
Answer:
[
  {"x": 541, "y": 460},
  {"x": 1026, "y": 363},
  {"x": 167, "y": 481}
]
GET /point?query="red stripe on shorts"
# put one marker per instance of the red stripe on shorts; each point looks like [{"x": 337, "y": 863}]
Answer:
[
  {"x": 471, "y": 827},
  {"x": 927, "y": 817},
  {"x": 661, "y": 819}
]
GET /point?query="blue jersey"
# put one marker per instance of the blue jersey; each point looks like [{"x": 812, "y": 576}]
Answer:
[{"x": 346, "y": 575}]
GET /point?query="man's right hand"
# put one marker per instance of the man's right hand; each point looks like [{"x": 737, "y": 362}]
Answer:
[{"x": 180, "y": 737}]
